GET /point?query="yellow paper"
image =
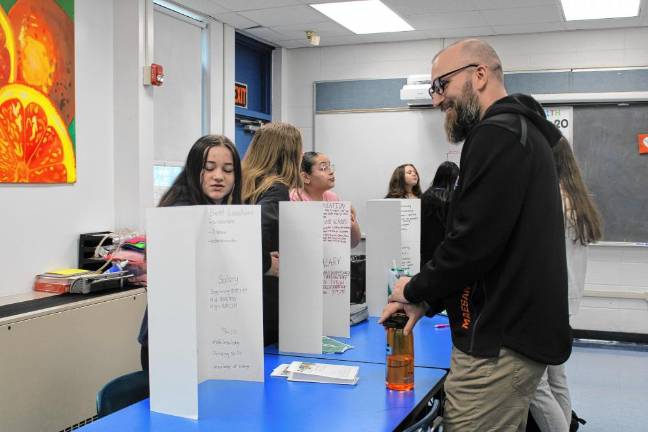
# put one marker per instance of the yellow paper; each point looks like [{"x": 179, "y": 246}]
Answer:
[{"x": 68, "y": 271}]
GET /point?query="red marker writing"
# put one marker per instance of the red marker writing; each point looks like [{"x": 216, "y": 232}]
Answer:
[{"x": 441, "y": 325}]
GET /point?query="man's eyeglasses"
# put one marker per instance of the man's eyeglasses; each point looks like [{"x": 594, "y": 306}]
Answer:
[
  {"x": 327, "y": 167},
  {"x": 439, "y": 84}
]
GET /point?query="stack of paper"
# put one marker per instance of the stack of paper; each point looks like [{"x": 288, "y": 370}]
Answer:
[{"x": 318, "y": 372}]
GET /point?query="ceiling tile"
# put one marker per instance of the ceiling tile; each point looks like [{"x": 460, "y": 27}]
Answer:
[
  {"x": 523, "y": 15},
  {"x": 265, "y": 33},
  {"x": 326, "y": 28},
  {"x": 394, "y": 37},
  {"x": 242, "y": 5},
  {"x": 463, "y": 32},
  {"x": 207, "y": 7},
  {"x": 235, "y": 20},
  {"x": 416, "y": 7},
  {"x": 528, "y": 28},
  {"x": 509, "y": 4},
  {"x": 446, "y": 20},
  {"x": 284, "y": 15}
]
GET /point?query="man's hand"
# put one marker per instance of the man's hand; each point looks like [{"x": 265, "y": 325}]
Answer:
[
  {"x": 413, "y": 311},
  {"x": 398, "y": 294}
]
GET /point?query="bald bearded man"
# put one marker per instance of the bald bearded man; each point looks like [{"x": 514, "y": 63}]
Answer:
[{"x": 501, "y": 270}]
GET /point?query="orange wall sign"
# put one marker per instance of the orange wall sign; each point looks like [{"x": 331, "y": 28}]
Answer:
[
  {"x": 642, "y": 140},
  {"x": 240, "y": 95}
]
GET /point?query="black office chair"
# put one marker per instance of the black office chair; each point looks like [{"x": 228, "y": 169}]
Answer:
[
  {"x": 431, "y": 421},
  {"x": 122, "y": 392}
]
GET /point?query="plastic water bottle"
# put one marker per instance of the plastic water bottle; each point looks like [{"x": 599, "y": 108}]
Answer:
[{"x": 400, "y": 354}]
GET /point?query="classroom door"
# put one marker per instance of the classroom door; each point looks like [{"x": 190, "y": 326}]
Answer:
[{"x": 253, "y": 68}]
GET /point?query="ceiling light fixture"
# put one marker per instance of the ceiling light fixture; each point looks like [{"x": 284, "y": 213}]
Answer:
[
  {"x": 575, "y": 10},
  {"x": 364, "y": 17}
]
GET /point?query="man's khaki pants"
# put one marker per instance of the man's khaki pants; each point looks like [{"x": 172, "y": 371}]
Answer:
[{"x": 490, "y": 394}]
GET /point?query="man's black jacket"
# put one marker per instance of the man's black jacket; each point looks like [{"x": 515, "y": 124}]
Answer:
[{"x": 500, "y": 271}]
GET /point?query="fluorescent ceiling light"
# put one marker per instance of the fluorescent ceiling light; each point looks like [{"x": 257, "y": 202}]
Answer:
[
  {"x": 179, "y": 9},
  {"x": 363, "y": 17},
  {"x": 599, "y": 9}
]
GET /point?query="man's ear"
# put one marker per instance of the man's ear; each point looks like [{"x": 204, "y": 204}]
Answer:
[{"x": 480, "y": 78}]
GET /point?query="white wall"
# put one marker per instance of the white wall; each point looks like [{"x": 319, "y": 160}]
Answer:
[
  {"x": 40, "y": 224},
  {"x": 610, "y": 269}
]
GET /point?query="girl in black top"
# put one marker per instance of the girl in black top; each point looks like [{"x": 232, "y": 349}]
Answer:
[
  {"x": 270, "y": 170},
  {"x": 434, "y": 208}
]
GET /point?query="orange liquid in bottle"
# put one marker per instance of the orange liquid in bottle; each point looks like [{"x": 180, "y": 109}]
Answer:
[
  {"x": 400, "y": 372},
  {"x": 400, "y": 355}
]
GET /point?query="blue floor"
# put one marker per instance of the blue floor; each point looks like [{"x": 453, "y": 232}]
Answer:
[{"x": 609, "y": 388}]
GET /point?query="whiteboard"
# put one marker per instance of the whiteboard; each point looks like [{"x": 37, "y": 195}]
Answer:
[{"x": 367, "y": 147}]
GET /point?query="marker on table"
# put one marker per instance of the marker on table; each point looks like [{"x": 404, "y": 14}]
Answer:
[{"x": 441, "y": 325}]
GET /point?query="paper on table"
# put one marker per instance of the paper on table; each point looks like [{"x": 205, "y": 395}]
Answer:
[
  {"x": 322, "y": 373},
  {"x": 332, "y": 346},
  {"x": 280, "y": 371}
]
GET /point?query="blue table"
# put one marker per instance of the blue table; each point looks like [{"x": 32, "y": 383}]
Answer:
[
  {"x": 432, "y": 345},
  {"x": 281, "y": 405}
]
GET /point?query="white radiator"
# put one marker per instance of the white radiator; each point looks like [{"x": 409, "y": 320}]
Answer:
[{"x": 53, "y": 361}]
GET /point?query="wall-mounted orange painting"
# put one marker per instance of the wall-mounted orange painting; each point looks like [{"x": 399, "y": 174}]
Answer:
[{"x": 37, "y": 139}]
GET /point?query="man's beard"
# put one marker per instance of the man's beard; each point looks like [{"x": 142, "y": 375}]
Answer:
[{"x": 462, "y": 115}]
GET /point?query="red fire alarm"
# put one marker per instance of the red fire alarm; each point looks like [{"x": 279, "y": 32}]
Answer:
[
  {"x": 153, "y": 75},
  {"x": 157, "y": 74}
]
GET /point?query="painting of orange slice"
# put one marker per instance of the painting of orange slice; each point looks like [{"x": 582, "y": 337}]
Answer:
[
  {"x": 35, "y": 146},
  {"x": 44, "y": 38},
  {"x": 7, "y": 50}
]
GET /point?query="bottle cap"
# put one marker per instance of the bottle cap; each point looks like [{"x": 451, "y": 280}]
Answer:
[{"x": 397, "y": 321}]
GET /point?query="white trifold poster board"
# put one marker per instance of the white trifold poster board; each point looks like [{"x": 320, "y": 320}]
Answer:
[
  {"x": 393, "y": 236},
  {"x": 205, "y": 312},
  {"x": 315, "y": 273}
]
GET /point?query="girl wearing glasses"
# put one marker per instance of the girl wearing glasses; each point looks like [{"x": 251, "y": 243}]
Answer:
[
  {"x": 318, "y": 176},
  {"x": 404, "y": 183}
]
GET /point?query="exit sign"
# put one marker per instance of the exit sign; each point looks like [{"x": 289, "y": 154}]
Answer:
[{"x": 240, "y": 95}]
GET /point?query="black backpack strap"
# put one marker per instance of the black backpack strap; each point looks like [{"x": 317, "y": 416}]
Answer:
[{"x": 512, "y": 122}]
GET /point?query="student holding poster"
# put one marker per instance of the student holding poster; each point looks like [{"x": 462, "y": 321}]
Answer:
[
  {"x": 318, "y": 176},
  {"x": 271, "y": 169},
  {"x": 211, "y": 175}
]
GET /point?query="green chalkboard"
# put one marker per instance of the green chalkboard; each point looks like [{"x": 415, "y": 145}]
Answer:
[{"x": 605, "y": 144}]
